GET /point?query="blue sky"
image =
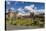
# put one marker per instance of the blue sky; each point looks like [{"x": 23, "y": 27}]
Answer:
[{"x": 15, "y": 5}]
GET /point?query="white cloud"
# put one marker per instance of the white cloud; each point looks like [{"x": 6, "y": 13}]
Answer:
[
  {"x": 40, "y": 11},
  {"x": 8, "y": 2},
  {"x": 23, "y": 14},
  {"x": 16, "y": 2},
  {"x": 12, "y": 8},
  {"x": 30, "y": 8},
  {"x": 21, "y": 10},
  {"x": 8, "y": 9},
  {"x": 35, "y": 8}
]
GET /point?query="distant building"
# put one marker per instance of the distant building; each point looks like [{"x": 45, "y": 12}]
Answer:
[
  {"x": 14, "y": 14},
  {"x": 10, "y": 13}
]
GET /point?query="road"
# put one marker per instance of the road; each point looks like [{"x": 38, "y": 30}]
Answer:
[{"x": 13, "y": 27}]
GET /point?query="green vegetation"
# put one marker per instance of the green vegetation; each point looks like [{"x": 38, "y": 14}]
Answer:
[
  {"x": 36, "y": 21},
  {"x": 23, "y": 21}
]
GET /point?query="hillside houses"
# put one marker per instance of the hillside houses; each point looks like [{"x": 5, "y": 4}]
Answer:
[
  {"x": 10, "y": 13},
  {"x": 20, "y": 15},
  {"x": 14, "y": 14}
]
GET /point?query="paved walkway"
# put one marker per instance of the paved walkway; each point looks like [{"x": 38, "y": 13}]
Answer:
[{"x": 12, "y": 27}]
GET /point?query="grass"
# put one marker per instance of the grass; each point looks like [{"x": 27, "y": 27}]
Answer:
[
  {"x": 20, "y": 21},
  {"x": 23, "y": 21}
]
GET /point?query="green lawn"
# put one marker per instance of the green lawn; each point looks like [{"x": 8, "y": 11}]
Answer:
[
  {"x": 23, "y": 21},
  {"x": 20, "y": 21}
]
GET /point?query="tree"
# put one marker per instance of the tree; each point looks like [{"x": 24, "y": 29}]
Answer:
[{"x": 32, "y": 14}]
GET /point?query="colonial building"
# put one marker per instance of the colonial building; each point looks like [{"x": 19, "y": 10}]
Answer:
[{"x": 11, "y": 14}]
